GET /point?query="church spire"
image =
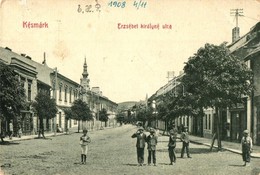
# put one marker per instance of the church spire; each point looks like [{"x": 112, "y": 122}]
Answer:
[
  {"x": 84, "y": 81},
  {"x": 85, "y": 70}
]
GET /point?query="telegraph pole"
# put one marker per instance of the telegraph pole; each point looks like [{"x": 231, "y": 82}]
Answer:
[
  {"x": 55, "y": 96},
  {"x": 236, "y": 13}
]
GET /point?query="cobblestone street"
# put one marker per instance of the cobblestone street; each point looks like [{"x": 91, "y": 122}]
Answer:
[{"x": 112, "y": 151}]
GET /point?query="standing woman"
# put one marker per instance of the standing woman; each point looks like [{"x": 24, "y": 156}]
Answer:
[{"x": 84, "y": 141}]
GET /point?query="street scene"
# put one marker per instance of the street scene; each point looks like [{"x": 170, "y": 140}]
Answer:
[
  {"x": 113, "y": 151},
  {"x": 130, "y": 87}
]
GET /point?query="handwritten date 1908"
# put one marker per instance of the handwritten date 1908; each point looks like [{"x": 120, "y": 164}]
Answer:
[
  {"x": 119, "y": 4},
  {"x": 89, "y": 8}
]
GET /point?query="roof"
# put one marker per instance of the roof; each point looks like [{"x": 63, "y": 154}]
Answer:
[
  {"x": 44, "y": 71},
  {"x": 248, "y": 45}
]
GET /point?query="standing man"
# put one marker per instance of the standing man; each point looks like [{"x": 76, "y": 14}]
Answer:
[
  {"x": 140, "y": 145},
  {"x": 11, "y": 129},
  {"x": 185, "y": 142},
  {"x": 152, "y": 140},
  {"x": 172, "y": 146}
]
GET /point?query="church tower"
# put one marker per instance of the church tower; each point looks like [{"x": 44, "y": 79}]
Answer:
[{"x": 84, "y": 81}]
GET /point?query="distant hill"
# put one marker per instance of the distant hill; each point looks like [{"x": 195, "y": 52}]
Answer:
[{"x": 127, "y": 105}]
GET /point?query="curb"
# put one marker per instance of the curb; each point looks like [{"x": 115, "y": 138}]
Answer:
[
  {"x": 227, "y": 149},
  {"x": 51, "y": 135}
]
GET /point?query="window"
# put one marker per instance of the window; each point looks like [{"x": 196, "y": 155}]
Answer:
[
  {"x": 209, "y": 121},
  {"x": 65, "y": 94},
  {"x": 206, "y": 121},
  {"x": 60, "y": 93},
  {"x": 29, "y": 90},
  {"x": 70, "y": 95},
  {"x": 22, "y": 81}
]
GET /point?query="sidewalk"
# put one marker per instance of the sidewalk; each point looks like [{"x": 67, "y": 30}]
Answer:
[
  {"x": 47, "y": 134},
  {"x": 230, "y": 146},
  {"x": 29, "y": 137}
]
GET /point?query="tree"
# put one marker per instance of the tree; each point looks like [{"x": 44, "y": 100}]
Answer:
[
  {"x": 103, "y": 116},
  {"x": 81, "y": 111},
  {"x": 121, "y": 117},
  {"x": 68, "y": 115},
  {"x": 217, "y": 79},
  {"x": 45, "y": 107},
  {"x": 12, "y": 95}
]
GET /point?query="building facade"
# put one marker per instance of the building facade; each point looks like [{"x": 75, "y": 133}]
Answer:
[
  {"x": 235, "y": 119},
  {"x": 38, "y": 77},
  {"x": 247, "y": 48},
  {"x": 96, "y": 101}
]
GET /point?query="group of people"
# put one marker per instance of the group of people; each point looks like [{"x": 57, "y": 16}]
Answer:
[
  {"x": 11, "y": 130},
  {"x": 152, "y": 140}
]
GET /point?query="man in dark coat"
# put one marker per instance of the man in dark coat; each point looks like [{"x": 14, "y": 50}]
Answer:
[
  {"x": 152, "y": 140},
  {"x": 172, "y": 146},
  {"x": 140, "y": 145}
]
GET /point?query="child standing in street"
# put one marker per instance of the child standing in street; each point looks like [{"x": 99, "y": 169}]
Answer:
[
  {"x": 247, "y": 145},
  {"x": 152, "y": 140},
  {"x": 84, "y": 141}
]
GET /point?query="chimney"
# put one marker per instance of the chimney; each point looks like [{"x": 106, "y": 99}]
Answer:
[
  {"x": 44, "y": 59},
  {"x": 7, "y": 48},
  {"x": 28, "y": 57},
  {"x": 235, "y": 34}
]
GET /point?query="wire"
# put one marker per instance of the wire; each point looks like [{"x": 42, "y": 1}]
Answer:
[{"x": 252, "y": 18}]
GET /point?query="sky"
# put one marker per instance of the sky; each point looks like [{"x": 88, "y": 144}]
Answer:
[{"x": 127, "y": 64}]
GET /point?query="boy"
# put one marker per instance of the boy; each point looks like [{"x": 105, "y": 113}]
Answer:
[
  {"x": 84, "y": 141},
  {"x": 152, "y": 140},
  {"x": 247, "y": 146}
]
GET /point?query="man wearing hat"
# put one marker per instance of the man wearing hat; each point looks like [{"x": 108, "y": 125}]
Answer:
[
  {"x": 173, "y": 129},
  {"x": 140, "y": 145},
  {"x": 247, "y": 145},
  {"x": 152, "y": 140},
  {"x": 172, "y": 146},
  {"x": 185, "y": 142}
]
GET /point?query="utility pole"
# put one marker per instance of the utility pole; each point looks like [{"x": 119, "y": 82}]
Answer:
[
  {"x": 236, "y": 13},
  {"x": 235, "y": 30},
  {"x": 55, "y": 97}
]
